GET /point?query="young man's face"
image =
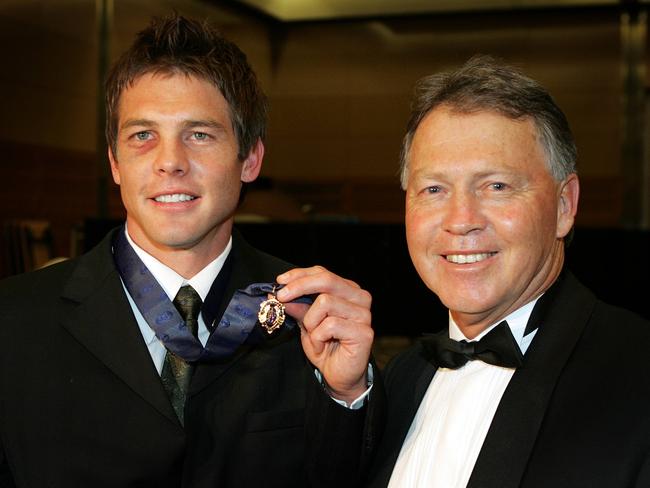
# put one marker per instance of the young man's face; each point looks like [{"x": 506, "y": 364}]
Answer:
[
  {"x": 484, "y": 217},
  {"x": 177, "y": 167}
]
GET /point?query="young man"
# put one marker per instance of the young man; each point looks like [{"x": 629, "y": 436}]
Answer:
[
  {"x": 142, "y": 363},
  {"x": 551, "y": 390}
]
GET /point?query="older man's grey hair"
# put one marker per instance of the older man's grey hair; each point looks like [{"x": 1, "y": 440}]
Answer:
[{"x": 486, "y": 84}]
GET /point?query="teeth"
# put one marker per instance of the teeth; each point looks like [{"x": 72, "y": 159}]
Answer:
[
  {"x": 468, "y": 258},
  {"x": 175, "y": 198}
]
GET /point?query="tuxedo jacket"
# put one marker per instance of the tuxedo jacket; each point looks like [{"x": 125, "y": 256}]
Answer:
[
  {"x": 576, "y": 414},
  {"x": 82, "y": 405}
]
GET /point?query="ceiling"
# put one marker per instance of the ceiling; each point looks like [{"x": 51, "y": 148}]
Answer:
[{"x": 311, "y": 10}]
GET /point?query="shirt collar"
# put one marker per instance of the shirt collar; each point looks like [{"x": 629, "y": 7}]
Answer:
[
  {"x": 171, "y": 281},
  {"x": 517, "y": 321}
]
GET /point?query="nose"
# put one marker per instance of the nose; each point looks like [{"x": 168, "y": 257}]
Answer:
[
  {"x": 463, "y": 214},
  {"x": 171, "y": 159}
]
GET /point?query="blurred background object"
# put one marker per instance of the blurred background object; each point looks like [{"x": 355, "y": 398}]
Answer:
[{"x": 28, "y": 244}]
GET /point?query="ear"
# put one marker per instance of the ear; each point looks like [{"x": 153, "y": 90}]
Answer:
[
  {"x": 253, "y": 163},
  {"x": 115, "y": 170},
  {"x": 567, "y": 204}
]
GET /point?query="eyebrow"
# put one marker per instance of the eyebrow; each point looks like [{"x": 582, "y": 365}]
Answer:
[
  {"x": 187, "y": 124},
  {"x": 211, "y": 123},
  {"x": 426, "y": 174},
  {"x": 137, "y": 122}
]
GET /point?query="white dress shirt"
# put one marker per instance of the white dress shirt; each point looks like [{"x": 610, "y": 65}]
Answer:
[
  {"x": 450, "y": 426},
  {"x": 171, "y": 282}
]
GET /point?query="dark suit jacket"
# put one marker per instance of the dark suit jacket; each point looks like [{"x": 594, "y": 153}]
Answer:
[
  {"x": 81, "y": 404},
  {"x": 577, "y": 414}
]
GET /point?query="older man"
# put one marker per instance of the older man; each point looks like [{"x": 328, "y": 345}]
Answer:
[{"x": 536, "y": 383}]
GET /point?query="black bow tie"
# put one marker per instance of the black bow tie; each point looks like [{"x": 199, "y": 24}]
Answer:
[{"x": 497, "y": 347}]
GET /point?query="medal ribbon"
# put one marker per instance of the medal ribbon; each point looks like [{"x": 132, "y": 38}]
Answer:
[{"x": 236, "y": 325}]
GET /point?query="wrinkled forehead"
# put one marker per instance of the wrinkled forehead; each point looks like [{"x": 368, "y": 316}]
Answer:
[
  {"x": 483, "y": 140},
  {"x": 461, "y": 125}
]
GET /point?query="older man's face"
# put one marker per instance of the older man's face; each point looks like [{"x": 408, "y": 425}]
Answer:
[{"x": 484, "y": 216}]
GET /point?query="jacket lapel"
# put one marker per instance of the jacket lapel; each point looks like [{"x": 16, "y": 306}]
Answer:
[
  {"x": 561, "y": 314},
  {"x": 248, "y": 266},
  {"x": 102, "y": 320}
]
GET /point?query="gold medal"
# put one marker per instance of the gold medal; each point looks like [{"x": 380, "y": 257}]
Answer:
[{"x": 271, "y": 314}]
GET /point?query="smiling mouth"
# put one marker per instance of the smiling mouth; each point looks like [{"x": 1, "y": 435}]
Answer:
[
  {"x": 468, "y": 258},
  {"x": 174, "y": 198}
]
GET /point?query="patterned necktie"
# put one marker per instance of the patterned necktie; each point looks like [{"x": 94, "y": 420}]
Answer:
[
  {"x": 497, "y": 347},
  {"x": 176, "y": 373}
]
